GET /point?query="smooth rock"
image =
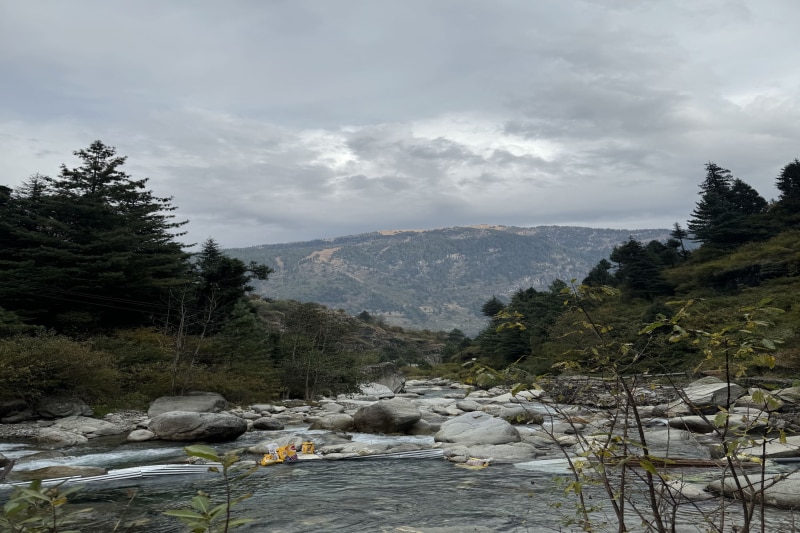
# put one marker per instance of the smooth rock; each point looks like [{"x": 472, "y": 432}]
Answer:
[{"x": 193, "y": 426}]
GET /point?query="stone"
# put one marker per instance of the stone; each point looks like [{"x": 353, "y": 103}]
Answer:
[
  {"x": 60, "y": 437},
  {"x": 387, "y": 416},
  {"x": 193, "y": 426},
  {"x": 477, "y": 428},
  {"x": 140, "y": 435},
  {"x": 89, "y": 427},
  {"x": 267, "y": 423},
  {"x": 386, "y": 374},
  {"x": 201, "y": 402},
  {"x": 376, "y": 390},
  {"x": 705, "y": 396},
  {"x": 333, "y": 421},
  {"x": 519, "y": 414},
  {"x": 782, "y": 492}
]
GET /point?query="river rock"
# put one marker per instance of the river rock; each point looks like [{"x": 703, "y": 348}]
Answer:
[
  {"x": 141, "y": 435},
  {"x": 268, "y": 423},
  {"x": 706, "y": 396},
  {"x": 60, "y": 437},
  {"x": 477, "y": 428},
  {"x": 62, "y": 406},
  {"x": 88, "y": 427},
  {"x": 779, "y": 492},
  {"x": 57, "y": 472},
  {"x": 378, "y": 390},
  {"x": 386, "y": 374},
  {"x": 333, "y": 421},
  {"x": 199, "y": 402},
  {"x": 518, "y": 414},
  {"x": 496, "y": 453},
  {"x": 387, "y": 416},
  {"x": 773, "y": 449},
  {"x": 192, "y": 426}
]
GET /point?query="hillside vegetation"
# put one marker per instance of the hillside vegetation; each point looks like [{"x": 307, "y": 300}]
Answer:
[{"x": 433, "y": 279}]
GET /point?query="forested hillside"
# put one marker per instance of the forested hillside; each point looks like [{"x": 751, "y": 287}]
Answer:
[{"x": 435, "y": 279}]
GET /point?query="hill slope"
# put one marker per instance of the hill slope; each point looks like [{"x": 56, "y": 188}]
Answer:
[{"x": 434, "y": 279}]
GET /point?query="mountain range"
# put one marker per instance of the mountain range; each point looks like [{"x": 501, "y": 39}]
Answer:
[{"x": 435, "y": 279}]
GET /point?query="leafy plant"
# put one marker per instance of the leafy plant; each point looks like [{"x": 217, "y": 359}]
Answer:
[
  {"x": 38, "y": 509},
  {"x": 205, "y": 516}
]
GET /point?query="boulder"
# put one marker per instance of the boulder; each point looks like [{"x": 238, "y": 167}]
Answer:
[
  {"x": 386, "y": 374},
  {"x": 706, "y": 396},
  {"x": 518, "y": 414},
  {"x": 376, "y": 390},
  {"x": 199, "y": 402},
  {"x": 62, "y": 406},
  {"x": 267, "y": 423},
  {"x": 387, "y": 416},
  {"x": 783, "y": 493},
  {"x": 141, "y": 435},
  {"x": 477, "y": 428},
  {"x": 333, "y": 421},
  {"x": 88, "y": 427},
  {"x": 60, "y": 437},
  {"x": 495, "y": 453},
  {"x": 193, "y": 426}
]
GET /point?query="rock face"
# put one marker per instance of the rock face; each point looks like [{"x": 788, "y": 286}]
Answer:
[
  {"x": 387, "y": 416},
  {"x": 190, "y": 426},
  {"x": 202, "y": 402},
  {"x": 62, "y": 406},
  {"x": 386, "y": 374},
  {"x": 477, "y": 428}
]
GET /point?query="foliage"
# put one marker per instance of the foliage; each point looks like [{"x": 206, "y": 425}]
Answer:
[
  {"x": 88, "y": 250},
  {"x": 49, "y": 364},
  {"x": 39, "y": 509},
  {"x": 204, "y": 515}
]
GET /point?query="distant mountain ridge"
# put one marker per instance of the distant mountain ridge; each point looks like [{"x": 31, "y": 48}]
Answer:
[{"x": 434, "y": 279}]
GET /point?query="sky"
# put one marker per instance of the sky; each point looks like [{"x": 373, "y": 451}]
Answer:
[{"x": 271, "y": 121}]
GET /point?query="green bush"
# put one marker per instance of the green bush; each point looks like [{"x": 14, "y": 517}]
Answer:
[{"x": 49, "y": 364}]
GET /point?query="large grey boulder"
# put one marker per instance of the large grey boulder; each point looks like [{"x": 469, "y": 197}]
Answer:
[
  {"x": 268, "y": 423},
  {"x": 88, "y": 427},
  {"x": 60, "y": 437},
  {"x": 199, "y": 402},
  {"x": 376, "y": 390},
  {"x": 783, "y": 493},
  {"x": 333, "y": 421},
  {"x": 387, "y": 416},
  {"x": 386, "y": 374},
  {"x": 62, "y": 406},
  {"x": 705, "y": 396},
  {"x": 477, "y": 428},
  {"x": 191, "y": 426}
]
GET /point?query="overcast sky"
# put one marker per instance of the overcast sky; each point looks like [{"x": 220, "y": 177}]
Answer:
[{"x": 286, "y": 120}]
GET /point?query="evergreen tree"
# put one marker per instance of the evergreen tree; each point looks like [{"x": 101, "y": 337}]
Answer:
[
  {"x": 492, "y": 307},
  {"x": 680, "y": 235},
  {"x": 92, "y": 248},
  {"x": 600, "y": 275},
  {"x": 639, "y": 271},
  {"x": 729, "y": 211},
  {"x": 787, "y": 208}
]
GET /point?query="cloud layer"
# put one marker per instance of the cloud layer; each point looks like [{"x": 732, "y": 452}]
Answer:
[{"x": 292, "y": 120}]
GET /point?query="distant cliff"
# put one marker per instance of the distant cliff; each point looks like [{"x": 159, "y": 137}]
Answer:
[{"x": 434, "y": 279}]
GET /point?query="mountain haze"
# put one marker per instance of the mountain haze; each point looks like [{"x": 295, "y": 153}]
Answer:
[{"x": 432, "y": 279}]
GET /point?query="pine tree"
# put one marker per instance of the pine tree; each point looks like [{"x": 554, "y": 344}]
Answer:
[{"x": 92, "y": 248}]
